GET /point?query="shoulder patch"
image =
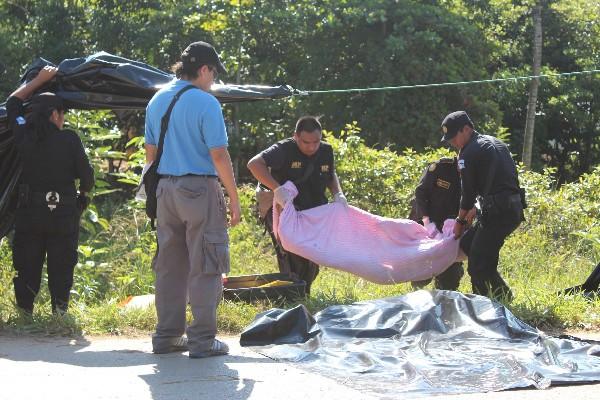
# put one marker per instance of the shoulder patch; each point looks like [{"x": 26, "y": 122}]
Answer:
[
  {"x": 432, "y": 167},
  {"x": 461, "y": 164},
  {"x": 442, "y": 183},
  {"x": 21, "y": 120}
]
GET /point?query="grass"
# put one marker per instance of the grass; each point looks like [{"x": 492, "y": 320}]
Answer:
[
  {"x": 535, "y": 284},
  {"x": 556, "y": 248}
]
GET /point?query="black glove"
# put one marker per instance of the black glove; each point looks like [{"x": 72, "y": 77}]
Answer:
[{"x": 82, "y": 202}]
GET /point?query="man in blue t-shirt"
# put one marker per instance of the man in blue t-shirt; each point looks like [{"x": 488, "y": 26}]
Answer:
[{"x": 193, "y": 244}]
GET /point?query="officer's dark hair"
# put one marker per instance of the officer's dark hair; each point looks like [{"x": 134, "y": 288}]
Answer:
[
  {"x": 39, "y": 120},
  {"x": 308, "y": 123}
]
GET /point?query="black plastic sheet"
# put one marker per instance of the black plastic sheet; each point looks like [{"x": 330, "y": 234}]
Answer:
[
  {"x": 435, "y": 342},
  {"x": 104, "y": 81},
  {"x": 279, "y": 326}
]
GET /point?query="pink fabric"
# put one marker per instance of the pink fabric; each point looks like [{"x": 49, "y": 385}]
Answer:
[{"x": 378, "y": 249}]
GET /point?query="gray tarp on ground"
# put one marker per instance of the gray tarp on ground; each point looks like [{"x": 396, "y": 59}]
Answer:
[
  {"x": 104, "y": 81},
  {"x": 429, "y": 342}
]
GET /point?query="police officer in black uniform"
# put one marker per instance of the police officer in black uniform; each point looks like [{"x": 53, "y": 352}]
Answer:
[
  {"x": 437, "y": 199},
  {"x": 308, "y": 162},
  {"x": 489, "y": 173},
  {"x": 48, "y": 208}
]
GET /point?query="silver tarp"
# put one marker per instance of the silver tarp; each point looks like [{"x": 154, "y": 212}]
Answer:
[{"x": 426, "y": 342}]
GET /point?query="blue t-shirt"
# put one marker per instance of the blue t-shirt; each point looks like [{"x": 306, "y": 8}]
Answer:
[{"x": 196, "y": 125}]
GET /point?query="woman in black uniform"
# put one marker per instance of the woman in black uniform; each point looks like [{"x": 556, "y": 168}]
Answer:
[{"x": 48, "y": 209}]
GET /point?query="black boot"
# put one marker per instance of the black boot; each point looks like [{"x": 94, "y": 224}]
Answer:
[{"x": 493, "y": 287}]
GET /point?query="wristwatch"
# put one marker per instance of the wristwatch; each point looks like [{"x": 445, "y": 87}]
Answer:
[{"x": 461, "y": 221}]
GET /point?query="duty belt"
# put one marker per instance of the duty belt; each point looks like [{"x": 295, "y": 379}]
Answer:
[
  {"x": 51, "y": 199},
  {"x": 492, "y": 199}
]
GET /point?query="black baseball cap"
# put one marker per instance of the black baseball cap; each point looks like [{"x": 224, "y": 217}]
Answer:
[
  {"x": 202, "y": 53},
  {"x": 47, "y": 101},
  {"x": 453, "y": 123}
]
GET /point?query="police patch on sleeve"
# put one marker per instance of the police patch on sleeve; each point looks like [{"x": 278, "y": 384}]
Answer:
[
  {"x": 442, "y": 183},
  {"x": 461, "y": 164},
  {"x": 21, "y": 120}
]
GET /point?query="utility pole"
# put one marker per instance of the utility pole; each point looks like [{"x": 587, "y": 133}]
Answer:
[{"x": 533, "y": 88}]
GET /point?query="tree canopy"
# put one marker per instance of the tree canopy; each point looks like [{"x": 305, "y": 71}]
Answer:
[{"x": 338, "y": 44}]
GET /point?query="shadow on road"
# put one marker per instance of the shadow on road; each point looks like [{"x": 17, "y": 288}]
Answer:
[{"x": 172, "y": 375}]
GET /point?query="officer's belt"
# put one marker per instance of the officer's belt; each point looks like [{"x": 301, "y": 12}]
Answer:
[
  {"x": 500, "y": 197},
  {"x": 39, "y": 199}
]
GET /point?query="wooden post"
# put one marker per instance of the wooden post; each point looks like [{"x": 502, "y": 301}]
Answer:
[{"x": 533, "y": 88}]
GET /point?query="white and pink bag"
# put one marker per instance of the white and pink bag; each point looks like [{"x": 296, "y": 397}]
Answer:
[{"x": 379, "y": 249}]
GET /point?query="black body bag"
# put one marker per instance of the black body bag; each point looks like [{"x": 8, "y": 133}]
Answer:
[{"x": 151, "y": 177}]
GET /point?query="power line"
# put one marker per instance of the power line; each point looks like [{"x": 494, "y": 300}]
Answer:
[{"x": 463, "y": 83}]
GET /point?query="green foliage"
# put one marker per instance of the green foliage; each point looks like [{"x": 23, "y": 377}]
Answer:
[
  {"x": 554, "y": 249},
  {"x": 379, "y": 181},
  {"x": 332, "y": 44}
]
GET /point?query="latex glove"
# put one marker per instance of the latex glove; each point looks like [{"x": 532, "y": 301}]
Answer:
[
  {"x": 282, "y": 196},
  {"x": 340, "y": 198},
  {"x": 431, "y": 229},
  {"x": 46, "y": 73}
]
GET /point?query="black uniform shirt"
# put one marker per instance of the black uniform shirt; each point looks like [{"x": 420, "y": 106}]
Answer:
[
  {"x": 438, "y": 193},
  {"x": 287, "y": 163},
  {"x": 474, "y": 162},
  {"x": 53, "y": 163}
]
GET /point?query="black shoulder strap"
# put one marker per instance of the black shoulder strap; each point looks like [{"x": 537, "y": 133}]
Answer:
[{"x": 164, "y": 122}]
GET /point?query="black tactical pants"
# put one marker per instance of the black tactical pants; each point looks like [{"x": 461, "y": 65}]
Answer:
[
  {"x": 486, "y": 239},
  {"x": 290, "y": 263},
  {"x": 447, "y": 280},
  {"x": 41, "y": 234}
]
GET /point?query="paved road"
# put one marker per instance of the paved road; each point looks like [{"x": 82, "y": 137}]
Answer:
[{"x": 107, "y": 368}]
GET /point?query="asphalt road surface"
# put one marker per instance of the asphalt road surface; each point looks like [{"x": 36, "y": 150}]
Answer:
[{"x": 36, "y": 368}]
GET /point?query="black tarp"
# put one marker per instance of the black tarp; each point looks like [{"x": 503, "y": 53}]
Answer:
[
  {"x": 104, "y": 81},
  {"x": 428, "y": 342}
]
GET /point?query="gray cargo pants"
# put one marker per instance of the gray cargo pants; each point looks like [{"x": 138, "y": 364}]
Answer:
[{"x": 193, "y": 252}]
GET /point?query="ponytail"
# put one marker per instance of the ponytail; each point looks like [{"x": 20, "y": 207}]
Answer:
[{"x": 39, "y": 123}]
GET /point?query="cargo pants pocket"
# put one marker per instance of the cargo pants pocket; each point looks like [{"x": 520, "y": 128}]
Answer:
[{"x": 216, "y": 252}]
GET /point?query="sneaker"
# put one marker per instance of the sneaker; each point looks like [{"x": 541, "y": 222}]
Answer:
[
  {"x": 218, "y": 348},
  {"x": 178, "y": 345}
]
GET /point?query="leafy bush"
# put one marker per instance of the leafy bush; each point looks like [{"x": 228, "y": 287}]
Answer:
[
  {"x": 554, "y": 249},
  {"x": 379, "y": 181}
]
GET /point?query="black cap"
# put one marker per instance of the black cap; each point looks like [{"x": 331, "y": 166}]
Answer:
[
  {"x": 453, "y": 123},
  {"x": 46, "y": 101},
  {"x": 202, "y": 53}
]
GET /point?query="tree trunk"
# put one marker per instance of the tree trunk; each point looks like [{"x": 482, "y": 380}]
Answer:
[{"x": 533, "y": 88}]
